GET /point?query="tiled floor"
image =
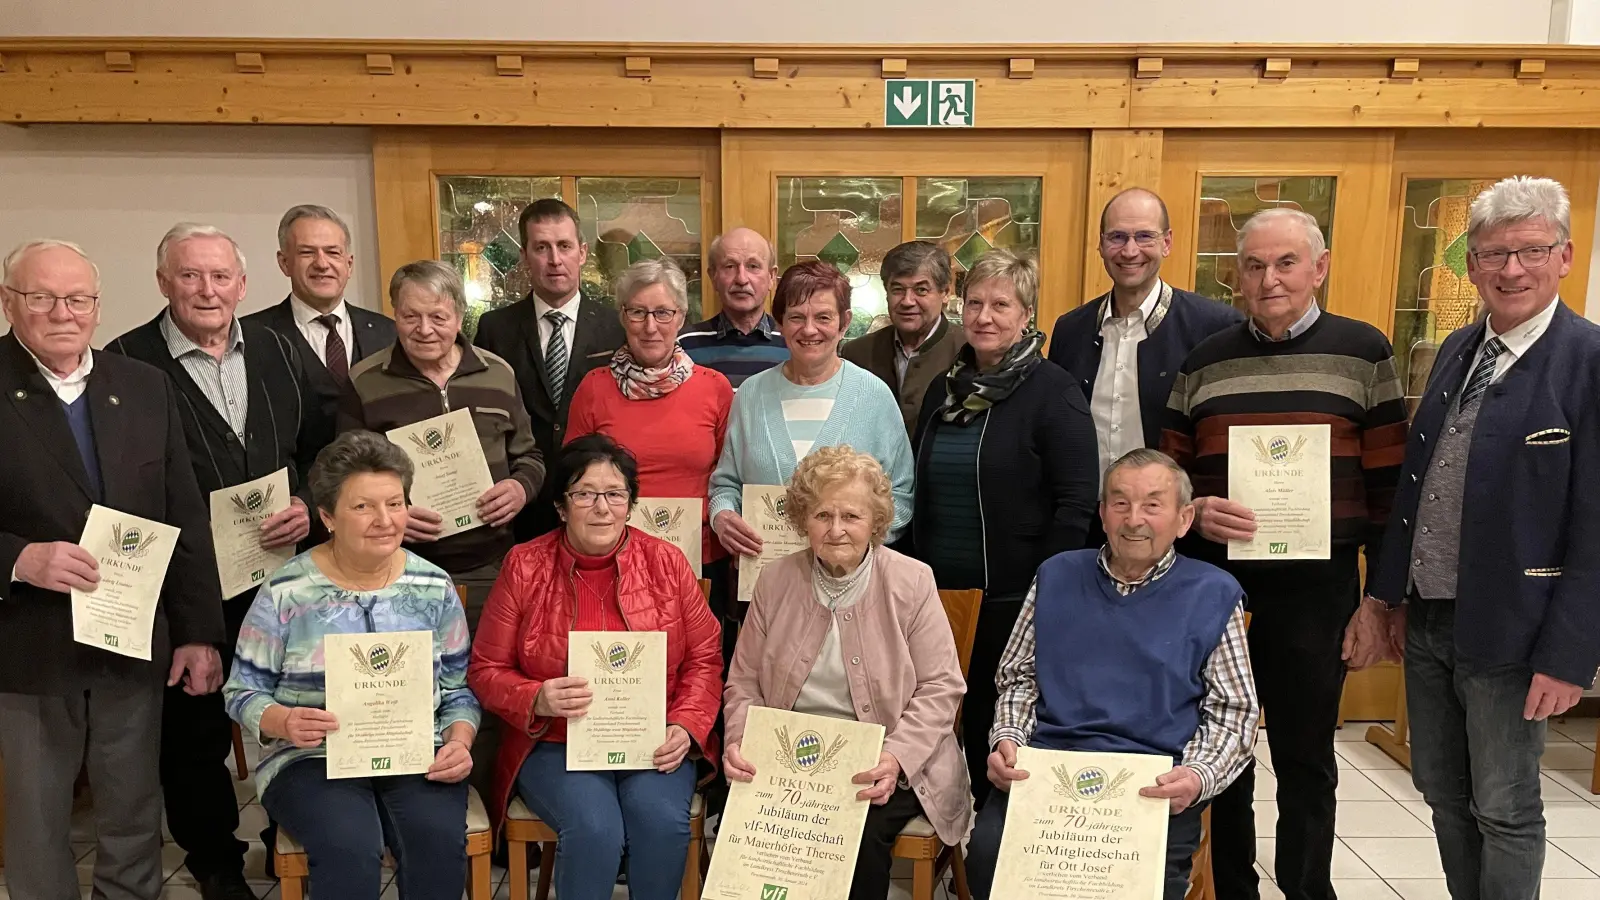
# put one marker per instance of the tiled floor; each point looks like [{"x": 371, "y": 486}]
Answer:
[{"x": 1385, "y": 849}]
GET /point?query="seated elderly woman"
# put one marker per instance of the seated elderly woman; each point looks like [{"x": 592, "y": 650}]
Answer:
[
  {"x": 359, "y": 582},
  {"x": 883, "y": 654},
  {"x": 597, "y": 574}
]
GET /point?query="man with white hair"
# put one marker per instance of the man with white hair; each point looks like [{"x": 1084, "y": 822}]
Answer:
[
  {"x": 243, "y": 391},
  {"x": 1491, "y": 562},
  {"x": 86, "y": 428},
  {"x": 1290, "y": 363}
]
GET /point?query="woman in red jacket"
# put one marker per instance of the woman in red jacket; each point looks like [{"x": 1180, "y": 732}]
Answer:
[{"x": 597, "y": 574}]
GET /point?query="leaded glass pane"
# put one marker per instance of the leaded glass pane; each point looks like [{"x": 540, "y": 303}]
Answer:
[
  {"x": 850, "y": 222},
  {"x": 478, "y": 234},
  {"x": 970, "y": 216},
  {"x": 629, "y": 219},
  {"x": 1433, "y": 296},
  {"x": 1226, "y": 202}
]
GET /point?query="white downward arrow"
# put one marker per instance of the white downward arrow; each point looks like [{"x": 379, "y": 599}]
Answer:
[{"x": 907, "y": 103}]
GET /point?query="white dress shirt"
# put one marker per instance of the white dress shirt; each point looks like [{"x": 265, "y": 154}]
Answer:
[
  {"x": 1114, "y": 402},
  {"x": 569, "y": 323},
  {"x": 1517, "y": 341},
  {"x": 69, "y": 389},
  {"x": 316, "y": 334}
]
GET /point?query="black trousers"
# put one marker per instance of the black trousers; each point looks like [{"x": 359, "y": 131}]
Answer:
[
  {"x": 1296, "y": 637},
  {"x": 996, "y": 619},
  {"x": 983, "y": 852},
  {"x": 725, "y": 605},
  {"x": 875, "y": 861},
  {"x": 196, "y": 781}
]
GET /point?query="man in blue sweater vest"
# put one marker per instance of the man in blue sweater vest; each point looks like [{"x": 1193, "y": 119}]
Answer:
[{"x": 1129, "y": 649}]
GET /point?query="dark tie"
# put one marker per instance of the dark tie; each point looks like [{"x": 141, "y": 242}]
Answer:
[
  {"x": 1483, "y": 372},
  {"x": 555, "y": 354},
  {"x": 333, "y": 350}
]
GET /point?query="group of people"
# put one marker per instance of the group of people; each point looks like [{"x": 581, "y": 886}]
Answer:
[{"x": 1084, "y": 492}]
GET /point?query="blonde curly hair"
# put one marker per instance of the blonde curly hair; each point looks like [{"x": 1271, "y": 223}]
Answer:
[{"x": 829, "y": 467}]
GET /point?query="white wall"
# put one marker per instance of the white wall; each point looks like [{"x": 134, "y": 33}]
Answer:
[
  {"x": 824, "y": 21},
  {"x": 116, "y": 189}
]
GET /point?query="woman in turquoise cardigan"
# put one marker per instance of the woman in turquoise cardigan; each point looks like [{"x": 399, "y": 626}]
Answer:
[{"x": 814, "y": 400}]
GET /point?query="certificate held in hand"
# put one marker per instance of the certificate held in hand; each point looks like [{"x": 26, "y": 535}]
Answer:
[
  {"x": 762, "y": 506},
  {"x": 133, "y": 554},
  {"x": 236, "y": 516},
  {"x": 1282, "y": 473},
  {"x": 380, "y": 689},
  {"x": 675, "y": 520},
  {"x": 451, "y": 470},
  {"x": 627, "y": 718}
]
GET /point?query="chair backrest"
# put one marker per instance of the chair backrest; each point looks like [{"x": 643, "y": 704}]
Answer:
[
  {"x": 461, "y": 594},
  {"x": 961, "y": 608},
  {"x": 705, "y": 588}
]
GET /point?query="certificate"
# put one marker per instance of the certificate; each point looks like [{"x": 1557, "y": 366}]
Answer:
[
  {"x": 451, "y": 472},
  {"x": 1282, "y": 473},
  {"x": 627, "y": 719},
  {"x": 763, "y": 509},
  {"x": 120, "y": 613},
  {"x": 676, "y": 520},
  {"x": 380, "y": 688},
  {"x": 236, "y": 516},
  {"x": 1077, "y": 829},
  {"x": 793, "y": 832}
]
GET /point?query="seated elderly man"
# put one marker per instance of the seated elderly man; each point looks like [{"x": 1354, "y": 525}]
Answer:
[{"x": 1175, "y": 622}]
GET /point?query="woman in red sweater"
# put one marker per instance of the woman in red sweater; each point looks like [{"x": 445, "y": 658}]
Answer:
[
  {"x": 597, "y": 574},
  {"x": 670, "y": 413}
]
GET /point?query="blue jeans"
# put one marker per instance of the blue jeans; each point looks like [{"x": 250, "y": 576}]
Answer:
[
  {"x": 344, "y": 825},
  {"x": 596, "y": 814},
  {"x": 1475, "y": 760}
]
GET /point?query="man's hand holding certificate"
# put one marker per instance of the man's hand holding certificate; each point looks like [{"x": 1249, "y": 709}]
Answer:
[
  {"x": 1279, "y": 504},
  {"x": 239, "y": 515},
  {"x": 452, "y": 475},
  {"x": 132, "y": 554}
]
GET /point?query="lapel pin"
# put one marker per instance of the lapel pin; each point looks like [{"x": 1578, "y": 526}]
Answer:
[
  {"x": 22, "y": 395},
  {"x": 115, "y": 400}
]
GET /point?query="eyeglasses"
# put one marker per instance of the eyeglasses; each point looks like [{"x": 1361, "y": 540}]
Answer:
[
  {"x": 586, "y": 499},
  {"x": 1116, "y": 240},
  {"x": 1530, "y": 257},
  {"x": 43, "y": 302},
  {"x": 920, "y": 291},
  {"x": 637, "y": 314}
]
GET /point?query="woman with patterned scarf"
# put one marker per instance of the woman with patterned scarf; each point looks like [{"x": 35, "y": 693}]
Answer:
[
  {"x": 1006, "y": 458},
  {"x": 653, "y": 400}
]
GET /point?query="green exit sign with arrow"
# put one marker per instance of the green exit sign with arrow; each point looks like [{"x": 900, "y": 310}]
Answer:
[{"x": 927, "y": 103}]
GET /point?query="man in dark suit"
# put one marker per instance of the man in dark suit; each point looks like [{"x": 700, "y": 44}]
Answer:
[
  {"x": 1491, "y": 559},
  {"x": 87, "y": 428},
  {"x": 241, "y": 392},
  {"x": 330, "y": 334},
  {"x": 551, "y": 338}
]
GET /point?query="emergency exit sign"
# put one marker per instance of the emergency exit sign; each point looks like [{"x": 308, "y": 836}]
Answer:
[{"x": 927, "y": 103}]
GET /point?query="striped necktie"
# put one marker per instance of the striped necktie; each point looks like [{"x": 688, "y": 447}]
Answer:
[
  {"x": 555, "y": 354},
  {"x": 1483, "y": 372}
]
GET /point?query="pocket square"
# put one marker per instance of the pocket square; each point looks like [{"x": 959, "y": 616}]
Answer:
[
  {"x": 1548, "y": 436},
  {"x": 1548, "y": 572}
]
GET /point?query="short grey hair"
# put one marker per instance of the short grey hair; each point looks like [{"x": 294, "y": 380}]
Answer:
[
  {"x": 1144, "y": 456},
  {"x": 1307, "y": 222},
  {"x": 714, "y": 252},
  {"x": 183, "y": 231},
  {"x": 1518, "y": 199},
  {"x": 355, "y": 453},
  {"x": 16, "y": 256},
  {"x": 647, "y": 272},
  {"x": 1022, "y": 270},
  {"x": 432, "y": 275},
  {"x": 912, "y": 257},
  {"x": 309, "y": 211}
]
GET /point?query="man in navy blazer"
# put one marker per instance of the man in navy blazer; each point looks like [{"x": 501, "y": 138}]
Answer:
[
  {"x": 1125, "y": 347},
  {"x": 1491, "y": 562}
]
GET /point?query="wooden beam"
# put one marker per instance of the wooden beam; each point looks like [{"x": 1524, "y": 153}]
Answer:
[
  {"x": 636, "y": 66},
  {"x": 1276, "y": 67},
  {"x": 509, "y": 65},
  {"x": 2, "y": 62},
  {"x": 1148, "y": 67},
  {"x": 1118, "y": 159},
  {"x": 1021, "y": 67},
  {"x": 894, "y": 67},
  {"x": 764, "y": 67},
  {"x": 380, "y": 64},
  {"x": 119, "y": 61},
  {"x": 249, "y": 63}
]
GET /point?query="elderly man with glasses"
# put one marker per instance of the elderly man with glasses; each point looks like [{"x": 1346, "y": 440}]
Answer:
[{"x": 1491, "y": 562}]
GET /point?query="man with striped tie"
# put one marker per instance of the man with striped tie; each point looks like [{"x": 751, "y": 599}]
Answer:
[
  {"x": 552, "y": 337},
  {"x": 1491, "y": 561}
]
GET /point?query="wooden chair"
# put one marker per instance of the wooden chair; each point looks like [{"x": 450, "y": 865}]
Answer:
[
  {"x": 917, "y": 841},
  {"x": 241, "y": 766}
]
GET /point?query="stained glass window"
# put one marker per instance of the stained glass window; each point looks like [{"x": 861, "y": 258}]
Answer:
[
  {"x": 629, "y": 219},
  {"x": 1226, "y": 202},
  {"x": 478, "y": 233},
  {"x": 850, "y": 222},
  {"x": 970, "y": 216},
  {"x": 1433, "y": 296}
]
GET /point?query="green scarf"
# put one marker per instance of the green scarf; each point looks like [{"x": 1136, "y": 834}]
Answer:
[{"x": 972, "y": 392}]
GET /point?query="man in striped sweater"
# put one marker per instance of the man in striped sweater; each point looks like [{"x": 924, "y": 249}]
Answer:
[{"x": 1291, "y": 363}]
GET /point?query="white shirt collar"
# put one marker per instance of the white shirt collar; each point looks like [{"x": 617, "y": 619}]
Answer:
[
  {"x": 1519, "y": 339},
  {"x": 920, "y": 344},
  {"x": 569, "y": 309},
  {"x": 305, "y": 314},
  {"x": 73, "y": 379},
  {"x": 1146, "y": 306}
]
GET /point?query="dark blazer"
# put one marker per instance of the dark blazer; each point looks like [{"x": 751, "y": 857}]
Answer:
[
  {"x": 1038, "y": 464},
  {"x": 1528, "y": 592},
  {"x": 875, "y": 352},
  {"x": 372, "y": 332},
  {"x": 512, "y": 333},
  {"x": 1189, "y": 319},
  {"x": 45, "y": 497},
  {"x": 280, "y": 393}
]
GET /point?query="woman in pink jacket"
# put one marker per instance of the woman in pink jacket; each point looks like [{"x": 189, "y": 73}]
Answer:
[{"x": 854, "y": 630}]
